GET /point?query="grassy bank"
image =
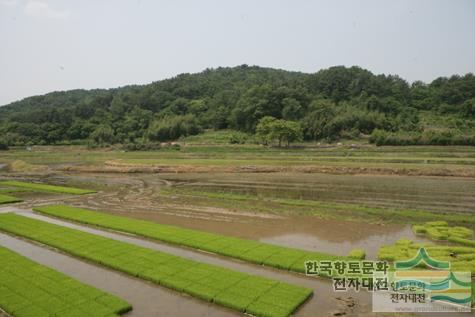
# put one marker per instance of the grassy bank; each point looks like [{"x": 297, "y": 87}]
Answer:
[
  {"x": 6, "y": 199},
  {"x": 47, "y": 188}
]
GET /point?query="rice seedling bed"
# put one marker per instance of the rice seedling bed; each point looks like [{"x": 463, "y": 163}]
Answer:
[
  {"x": 461, "y": 258},
  {"x": 47, "y": 188},
  {"x": 440, "y": 230},
  {"x": 246, "y": 250},
  {"x": 236, "y": 290},
  {"x": 30, "y": 289},
  {"x": 6, "y": 199}
]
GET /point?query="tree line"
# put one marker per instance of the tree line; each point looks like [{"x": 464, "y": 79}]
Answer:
[{"x": 335, "y": 103}]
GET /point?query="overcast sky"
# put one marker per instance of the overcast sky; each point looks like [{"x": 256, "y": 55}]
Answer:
[{"x": 48, "y": 45}]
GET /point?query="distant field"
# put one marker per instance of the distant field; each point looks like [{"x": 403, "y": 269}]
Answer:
[
  {"x": 47, "y": 188},
  {"x": 247, "y": 250},
  {"x": 327, "y": 161},
  {"x": 233, "y": 155},
  {"x": 240, "y": 291},
  {"x": 29, "y": 289},
  {"x": 333, "y": 210},
  {"x": 5, "y": 199}
]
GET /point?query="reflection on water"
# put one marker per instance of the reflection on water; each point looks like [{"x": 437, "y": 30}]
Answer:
[
  {"x": 309, "y": 233},
  {"x": 344, "y": 243}
]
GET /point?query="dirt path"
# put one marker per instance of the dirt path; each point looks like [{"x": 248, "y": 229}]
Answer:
[{"x": 117, "y": 166}]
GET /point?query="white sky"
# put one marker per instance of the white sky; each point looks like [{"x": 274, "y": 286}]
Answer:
[{"x": 49, "y": 45}]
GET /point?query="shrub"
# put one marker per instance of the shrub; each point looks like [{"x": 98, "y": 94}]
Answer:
[
  {"x": 3, "y": 145},
  {"x": 141, "y": 144},
  {"x": 173, "y": 127},
  {"x": 237, "y": 138},
  {"x": 379, "y": 138}
]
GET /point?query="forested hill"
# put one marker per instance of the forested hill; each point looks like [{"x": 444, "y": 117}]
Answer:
[{"x": 334, "y": 103}]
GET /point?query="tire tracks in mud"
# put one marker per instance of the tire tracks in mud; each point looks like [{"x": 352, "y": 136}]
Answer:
[{"x": 141, "y": 194}]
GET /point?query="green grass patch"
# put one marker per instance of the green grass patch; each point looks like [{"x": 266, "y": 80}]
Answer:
[
  {"x": 6, "y": 199},
  {"x": 47, "y": 188},
  {"x": 209, "y": 282},
  {"x": 247, "y": 250},
  {"x": 13, "y": 190},
  {"x": 31, "y": 289}
]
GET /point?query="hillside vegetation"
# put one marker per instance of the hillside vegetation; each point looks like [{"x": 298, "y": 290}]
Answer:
[{"x": 335, "y": 103}]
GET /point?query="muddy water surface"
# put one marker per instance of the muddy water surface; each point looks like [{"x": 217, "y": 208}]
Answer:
[
  {"x": 323, "y": 302},
  {"x": 413, "y": 192},
  {"x": 137, "y": 195}
]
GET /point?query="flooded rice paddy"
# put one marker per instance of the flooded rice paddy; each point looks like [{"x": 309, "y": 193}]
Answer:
[
  {"x": 146, "y": 298},
  {"x": 138, "y": 196}
]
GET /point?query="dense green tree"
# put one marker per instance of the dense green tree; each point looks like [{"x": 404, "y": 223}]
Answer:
[
  {"x": 3, "y": 145},
  {"x": 338, "y": 102},
  {"x": 292, "y": 109},
  {"x": 468, "y": 108},
  {"x": 172, "y": 128},
  {"x": 103, "y": 135},
  {"x": 287, "y": 131},
  {"x": 270, "y": 128},
  {"x": 322, "y": 111},
  {"x": 264, "y": 129}
]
